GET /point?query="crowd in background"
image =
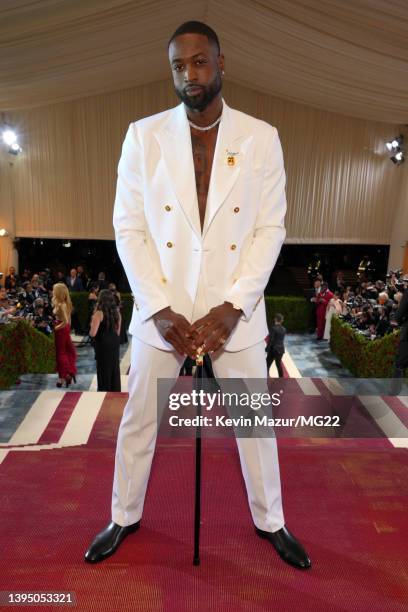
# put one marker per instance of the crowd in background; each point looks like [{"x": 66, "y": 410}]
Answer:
[
  {"x": 29, "y": 297},
  {"x": 370, "y": 307}
]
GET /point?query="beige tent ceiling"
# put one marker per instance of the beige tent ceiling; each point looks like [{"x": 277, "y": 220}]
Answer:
[{"x": 345, "y": 56}]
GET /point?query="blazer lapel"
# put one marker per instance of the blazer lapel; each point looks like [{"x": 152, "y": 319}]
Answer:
[
  {"x": 227, "y": 163},
  {"x": 175, "y": 144}
]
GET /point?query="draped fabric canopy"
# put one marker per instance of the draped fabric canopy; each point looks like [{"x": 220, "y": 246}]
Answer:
[
  {"x": 331, "y": 75},
  {"x": 341, "y": 185},
  {"x": 344, "y": 56}
]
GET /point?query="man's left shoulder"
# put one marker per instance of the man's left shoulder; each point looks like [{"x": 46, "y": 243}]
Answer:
[{"x": 252, "y": 125}]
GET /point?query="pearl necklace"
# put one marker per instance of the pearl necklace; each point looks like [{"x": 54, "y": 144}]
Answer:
[{"x": 208, "y": 127}]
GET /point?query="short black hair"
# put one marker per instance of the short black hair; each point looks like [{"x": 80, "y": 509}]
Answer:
[{"x": 196, "y": 27}]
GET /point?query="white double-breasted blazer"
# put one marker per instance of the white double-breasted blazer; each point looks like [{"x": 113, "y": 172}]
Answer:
[{"x": 157, "y": 224}]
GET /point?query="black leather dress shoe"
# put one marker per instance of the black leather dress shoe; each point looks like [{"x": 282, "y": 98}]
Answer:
[
  {"x": 108, "y": 540},
  {"x": 287, "y": 547}
]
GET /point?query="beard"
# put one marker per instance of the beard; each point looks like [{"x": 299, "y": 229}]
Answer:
[{"x": 200, "y": 101}]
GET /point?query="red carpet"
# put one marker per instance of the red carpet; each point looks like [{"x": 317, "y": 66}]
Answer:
[{"x": 346, "y": 500}]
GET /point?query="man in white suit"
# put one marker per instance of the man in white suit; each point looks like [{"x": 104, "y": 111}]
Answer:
[{"x": 199, "y": 223}]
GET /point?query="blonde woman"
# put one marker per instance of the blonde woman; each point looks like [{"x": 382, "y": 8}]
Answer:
[{"x": 64, "y": 348}]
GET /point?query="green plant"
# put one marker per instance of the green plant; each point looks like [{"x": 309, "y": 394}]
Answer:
[
  {"x": 363, "y": 357},
  {"x": 296, "y": 311},
  {"x": 24, "y": 349},
  {"x": 80, "y": 303}
]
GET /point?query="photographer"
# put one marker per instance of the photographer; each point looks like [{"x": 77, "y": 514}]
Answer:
[
  {"x": 46, "y": 280},
  {"x": 383, "y": 325},
  {"x": 367, "y": 291},
  {"x": 384, "y": 300},
  {"x": 370, "y": 310},
  {"x": 7, "y": 308},
  {"x": 41, "y": 320},
  {"x": 12, "y": 280},
  {"x": 30, "y": 294}
]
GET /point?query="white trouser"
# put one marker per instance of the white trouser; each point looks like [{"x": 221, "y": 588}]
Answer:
[{"x": 138, "y": 431}]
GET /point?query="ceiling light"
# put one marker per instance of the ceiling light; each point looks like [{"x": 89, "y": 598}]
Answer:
[
  {"x": 15, "y": 149},
  {"x": 398, "y": 158},
  {"x": 9, "y": 137}
]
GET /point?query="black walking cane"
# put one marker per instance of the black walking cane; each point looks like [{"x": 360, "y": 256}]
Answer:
[{"x": 197, "y": 382}]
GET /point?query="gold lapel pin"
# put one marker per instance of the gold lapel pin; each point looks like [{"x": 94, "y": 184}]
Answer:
[{"x": 231, "y": 155}]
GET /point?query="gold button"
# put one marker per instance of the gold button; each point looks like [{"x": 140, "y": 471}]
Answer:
[
  {"x": 233, "y": 247},
  {"x": 164, "y": 280},
  {"x": 169, "y": 244},
  {"x": 236, "y": 209},
  {"x": 167, "y": 207}
]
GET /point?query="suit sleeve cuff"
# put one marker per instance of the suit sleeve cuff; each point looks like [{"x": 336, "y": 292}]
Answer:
[
  {"x": 238, "y": 303},
  {"x": 147, "y": 311}
]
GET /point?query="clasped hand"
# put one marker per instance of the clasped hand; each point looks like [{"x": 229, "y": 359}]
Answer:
[{"x": 205, "y": 335}]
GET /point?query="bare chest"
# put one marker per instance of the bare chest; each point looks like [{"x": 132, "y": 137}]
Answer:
[{"x": 203, "y": 154}]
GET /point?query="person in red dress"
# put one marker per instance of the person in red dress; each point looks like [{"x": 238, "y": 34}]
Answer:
[
  {"x": 322, "y": 299},
  {"x": 64, "y": 348}
]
